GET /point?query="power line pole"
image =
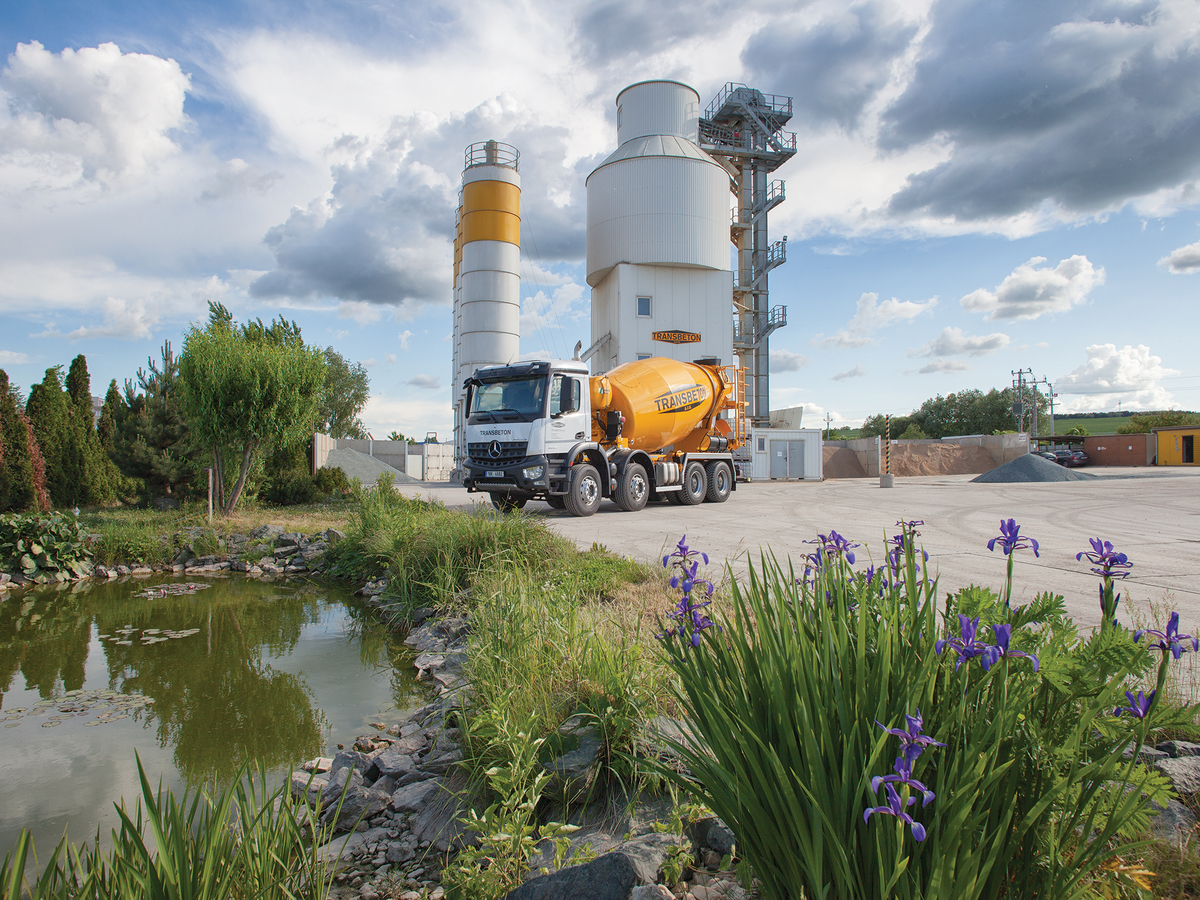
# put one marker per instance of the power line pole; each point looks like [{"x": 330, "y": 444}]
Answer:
[
  {"x": 828, "y": 419},
  {"x": 1052, "y": 396},
  {"x": 1019, "y": 406}
]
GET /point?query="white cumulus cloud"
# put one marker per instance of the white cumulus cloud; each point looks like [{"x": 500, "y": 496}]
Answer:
[
  {"x": 13, "y": 358},
  {"x": 870, "y": 315},
  {"x": 1127, "y": 375},
  {"x": 787, "y": 361},
  {"x": 95, "y": 114},
  {"x": 944, "y": 365},
  {"x": 857, "y": 372},
  {"x": 1182, "y": 261},
  {"x": 1033, "y": 290},
  {"x": 952, "y": 342}
]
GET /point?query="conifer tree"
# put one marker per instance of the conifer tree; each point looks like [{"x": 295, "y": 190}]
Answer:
[
  {"x": 18, "y": 489},
  {"x": 96, "y": 474},
  {"x": 151, "y": 438},
  {"x": 49, "y": 414}
]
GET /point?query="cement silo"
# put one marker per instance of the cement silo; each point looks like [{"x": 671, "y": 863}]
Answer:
[
  {"x": 658, "y": 238},
  {"x": 487, "y": 257}
]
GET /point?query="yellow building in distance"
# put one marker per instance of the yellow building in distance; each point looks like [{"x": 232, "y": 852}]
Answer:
[{"x": 1177, "y": 445}]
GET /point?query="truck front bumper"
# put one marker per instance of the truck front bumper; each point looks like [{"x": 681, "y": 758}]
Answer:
[{"x": 526, "y": 476}]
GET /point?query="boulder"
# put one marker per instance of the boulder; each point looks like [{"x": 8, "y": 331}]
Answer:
[
  {"x": 343, "y": 848},
  {"x": 440, "y": 821},
  {"x": 1147, "y": 754},
  {"x": 360, "y": 804},
  {"x": 1184, "y": 773},
  {"x": 350, "y": 759},
  {"x": 413, "y": 797},
  {"x": 1179, "y": 749},
  {"x": 714, "y": 834},
  {"x": 338, "y": 782},
  {"x": 390, "y": 763},
  {"x": 1172, "y": 822},
  {"x": 612, "y": 876},
  {"x": 572, "y": 771},
  {"x": 266, "y": 532}
]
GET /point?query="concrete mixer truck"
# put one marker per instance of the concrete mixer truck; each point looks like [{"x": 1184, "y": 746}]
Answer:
[{"x": 646, "y": 430}]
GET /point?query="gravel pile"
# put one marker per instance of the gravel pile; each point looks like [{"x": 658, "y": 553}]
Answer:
[
  {"x": 1030, "y": 467},
  {"x": 363, "y": 467}
]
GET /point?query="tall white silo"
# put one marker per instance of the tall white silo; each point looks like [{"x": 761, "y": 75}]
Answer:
[
  {"x": 487, "y": 257},
  {"x": 658, "y": 239}
]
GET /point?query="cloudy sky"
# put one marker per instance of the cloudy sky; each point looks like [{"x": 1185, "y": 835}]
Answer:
[{"x": 980, "y": 187}]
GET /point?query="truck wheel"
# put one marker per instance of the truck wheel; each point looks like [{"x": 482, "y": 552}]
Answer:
[
  {"x": 673, "y": 497},
  {"x": 506, "y": 503},
  {"x": 695, "y": 485},
  {"x": 633, "y": 488},
  {"x": 583, "y": 490},
  {"x": 558, "y": 501},
  {"x": 719, "y": 484}
]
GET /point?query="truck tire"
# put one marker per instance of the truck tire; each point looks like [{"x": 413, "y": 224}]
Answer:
[
  {"x": 719, "y": 482},
  {"x": 506, "y": 503},
  {"x": 583, "y": 490},
  {"x": 695, "y": 485},
  {"x": 557, "y": 501},
  {"x": 633, "y": 488},
  {"x": 673, "y": 497}
]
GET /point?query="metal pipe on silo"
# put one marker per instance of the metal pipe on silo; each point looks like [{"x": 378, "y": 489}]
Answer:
[{"x": 487, "y": 295}]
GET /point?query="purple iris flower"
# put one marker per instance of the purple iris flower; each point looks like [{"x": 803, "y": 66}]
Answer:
[
  {"x": 1010, "y": 539},
  {"x": 965, "y": 645},
  {"x": 900, "y": 778},
  {"x": 896, "y": 808},
  {"x": 995, "y": 653},
  {"x": 1107, "y": 561},
  {"x": 1171, "y": 639},
  {"x": 689, "y": 611},
  {"x": 900, "y": 545},
  {"x": 912, "y": 742},
  {"x": 1138, "y": 707},
  {"x": 833, "y": 544}
]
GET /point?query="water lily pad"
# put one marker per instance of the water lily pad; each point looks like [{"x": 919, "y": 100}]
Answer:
[
  {"x": 50, "y": 724},
  {"x": 11, "y": 724}
]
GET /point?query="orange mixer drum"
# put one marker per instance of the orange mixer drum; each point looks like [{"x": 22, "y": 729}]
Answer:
[{"x": 664, "y": 400}]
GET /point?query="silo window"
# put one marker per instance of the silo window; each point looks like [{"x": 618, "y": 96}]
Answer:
[
  {"x": 643, "y": 307},
  {"x": 643, "y": 356}
]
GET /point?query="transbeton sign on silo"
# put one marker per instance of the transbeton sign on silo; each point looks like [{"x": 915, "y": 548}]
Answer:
[{"x": 676, "y": 337}]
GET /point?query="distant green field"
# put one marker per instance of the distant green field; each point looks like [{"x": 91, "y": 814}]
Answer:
[{"x": 1100, "y": 425}]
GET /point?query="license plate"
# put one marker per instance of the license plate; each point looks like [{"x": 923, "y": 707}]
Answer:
[{"x": 492, "y": 473}]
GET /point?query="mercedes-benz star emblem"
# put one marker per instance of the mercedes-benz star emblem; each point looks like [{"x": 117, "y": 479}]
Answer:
[{"x": 495, "y": 450}]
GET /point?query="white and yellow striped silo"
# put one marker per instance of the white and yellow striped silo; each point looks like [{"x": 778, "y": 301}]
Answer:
[{"x": 487, "y": 258}]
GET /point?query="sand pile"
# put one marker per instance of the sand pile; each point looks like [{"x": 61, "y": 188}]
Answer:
[
  {"x": 1030, "y": 468},
  {"x": 939, "y": 459},
  {"x": 841, "y": 462}
]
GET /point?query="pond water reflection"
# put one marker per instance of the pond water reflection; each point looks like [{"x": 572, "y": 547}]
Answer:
[{"x": 195, "y": 684}]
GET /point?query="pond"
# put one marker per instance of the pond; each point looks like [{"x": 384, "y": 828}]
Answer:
[{"x": 193, "y": 679}]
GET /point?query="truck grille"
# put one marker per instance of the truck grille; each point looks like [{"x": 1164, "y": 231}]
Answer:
[{"x": 481, "y": 452}]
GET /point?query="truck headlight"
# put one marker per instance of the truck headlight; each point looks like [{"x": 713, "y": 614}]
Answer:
[{"x": 533, "y": 472}]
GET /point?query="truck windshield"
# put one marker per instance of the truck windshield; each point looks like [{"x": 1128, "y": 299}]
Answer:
[{"x": 517, "y": 395}]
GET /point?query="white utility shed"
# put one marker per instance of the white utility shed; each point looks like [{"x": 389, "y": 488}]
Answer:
[{"x": 785, "y": 454}]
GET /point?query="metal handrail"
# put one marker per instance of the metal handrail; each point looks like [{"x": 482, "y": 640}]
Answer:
[
  {"x": 492, "y": 153},
  {"x": 777, "y": 104}
]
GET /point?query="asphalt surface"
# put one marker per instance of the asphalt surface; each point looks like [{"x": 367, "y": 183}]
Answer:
[{"x": 1151, "y": 514}]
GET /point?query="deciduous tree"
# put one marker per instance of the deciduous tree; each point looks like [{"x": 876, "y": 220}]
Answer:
[{"x": 251, "y": 388}]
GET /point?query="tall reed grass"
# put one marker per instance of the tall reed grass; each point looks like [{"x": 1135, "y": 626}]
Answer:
[{"x": 249, "y": 842}]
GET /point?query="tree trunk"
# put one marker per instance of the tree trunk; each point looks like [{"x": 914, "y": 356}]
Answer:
[
  {"x": 235, "y": 495},
  {"x": 218, "y": 478}
]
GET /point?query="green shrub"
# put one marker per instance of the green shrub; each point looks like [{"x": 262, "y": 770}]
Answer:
[
  {"x": 291, "y": 488},
  {"x": 43, "y": 547},
  {"x": 331, "y": 481},
  {"x": 799, "y": 696}
]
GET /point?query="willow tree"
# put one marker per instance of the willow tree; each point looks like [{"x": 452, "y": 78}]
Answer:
[{"x": 249, "y": 388}]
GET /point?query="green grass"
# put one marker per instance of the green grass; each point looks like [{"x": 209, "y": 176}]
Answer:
[
  {"x": 247, "y": 841},
  {"x": 131, "y": 535}
]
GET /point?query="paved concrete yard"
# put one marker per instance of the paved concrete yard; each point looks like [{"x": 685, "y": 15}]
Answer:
[{"x": 1153, "y": 515}]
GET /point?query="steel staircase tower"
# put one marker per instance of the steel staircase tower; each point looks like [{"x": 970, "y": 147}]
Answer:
[{"x": 743, "y": 130}]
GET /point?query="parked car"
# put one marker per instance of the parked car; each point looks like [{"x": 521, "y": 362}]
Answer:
[
  {"x": 1079, "y": 458},
  {"x": 1062, "y": 457},
  {"x": 1047, "y": 454}
]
